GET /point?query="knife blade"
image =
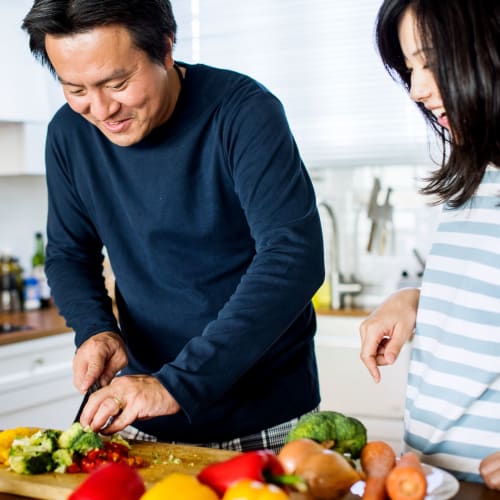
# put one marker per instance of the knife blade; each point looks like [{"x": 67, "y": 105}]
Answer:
[{"x": 93, "y": 388}]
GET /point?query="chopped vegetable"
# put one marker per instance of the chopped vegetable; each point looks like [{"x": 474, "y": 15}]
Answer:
[
  {"x": 79, "y": 439},
  {"x": 74, "y": 450},
  {"x": 8, "y": 436},
  {"x": 62, "y": 459},
  {"x": 33, "y": 454},
  {"x": 407, "y": 481},
  {"x": 30, "y": 463},
  {"x": 333, "y": 429},
  {"x": 178, "y": 486},
  {"x": 113, "y": 480},
  {"x": 110, "y": 452}
]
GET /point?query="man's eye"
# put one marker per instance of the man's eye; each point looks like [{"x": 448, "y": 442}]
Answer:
[
  {"x": 76, "y": 92},
  {"x": 119, "y": 86}
]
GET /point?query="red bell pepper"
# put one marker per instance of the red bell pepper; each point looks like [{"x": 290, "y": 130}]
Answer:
[
  {"x": 112, "y": 480},
  {"x": 261, "y": 465}
]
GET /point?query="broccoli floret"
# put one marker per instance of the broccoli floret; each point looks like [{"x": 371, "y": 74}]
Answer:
[
  {"x": 80, "y": 439},
  {"x": 317, "y": 426},
  {"x": 346, "y": 435},
  {"x": 23, "y": 463},
  {"x": 62, "y": 459},
  {"x": 46, "y": 440},
  {"x": 69, "y": 436},
  {"x": 40, "y": 442},
  {"x": 87, "y": 441},
  {"x": 351, "y": 435}
]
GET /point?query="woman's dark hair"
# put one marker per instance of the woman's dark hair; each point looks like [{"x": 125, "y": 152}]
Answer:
[
  {"x": 462, "y": 43},
  {"x": 149, "y": 22}
]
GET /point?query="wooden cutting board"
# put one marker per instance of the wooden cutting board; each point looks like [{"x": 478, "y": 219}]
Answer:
[{"x": 161, "y": 458}]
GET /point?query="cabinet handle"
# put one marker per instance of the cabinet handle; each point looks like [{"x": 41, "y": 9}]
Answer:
[{"x": 37, "y": 362}]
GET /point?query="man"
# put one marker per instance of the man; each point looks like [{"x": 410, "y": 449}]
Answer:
[{"x": 191, "y": 179}]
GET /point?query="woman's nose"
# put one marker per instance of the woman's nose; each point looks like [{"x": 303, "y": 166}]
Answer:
[{"x": 421, "y": 86}]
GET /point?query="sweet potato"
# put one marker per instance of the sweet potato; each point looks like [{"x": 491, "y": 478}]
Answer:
[
  {"x": 377, "y": 460},
  {"x": 407, "y": 480}
]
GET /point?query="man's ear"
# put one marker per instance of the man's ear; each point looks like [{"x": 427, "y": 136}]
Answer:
[{"x": 169, "y": 54}]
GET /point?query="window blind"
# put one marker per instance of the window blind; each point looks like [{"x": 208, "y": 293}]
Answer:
[{"x": 319, "y": 58}]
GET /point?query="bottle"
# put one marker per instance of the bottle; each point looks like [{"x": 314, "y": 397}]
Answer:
[
  {"x": 5, "y": 302},
  {"x": 10, "y": 299},
  {"x": 18, "y": 283},
  {"x": 38, "y": 270}
]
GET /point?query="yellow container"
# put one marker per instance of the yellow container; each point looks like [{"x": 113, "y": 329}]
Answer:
[{"x": 322, "y": 298}]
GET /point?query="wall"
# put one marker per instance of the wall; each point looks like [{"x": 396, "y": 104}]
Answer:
[
  {"x": 23, "y": 209},
  {"x": 23, "y": 206}
]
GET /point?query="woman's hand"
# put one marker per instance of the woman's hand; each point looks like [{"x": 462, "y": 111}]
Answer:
[
  {"x": 99, "y": 358},
  {"x": 126, "y": 399},
  {"x": 489, "y": 469},
  {"x": 387, "y": 329}
]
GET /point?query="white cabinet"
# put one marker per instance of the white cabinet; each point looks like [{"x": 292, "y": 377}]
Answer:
[
  {"x": 29, "y": 96},
  {"x": 346, "y": 385},
  {"x": 36, "y": 383},
  {"x": 23, "y": 88}
]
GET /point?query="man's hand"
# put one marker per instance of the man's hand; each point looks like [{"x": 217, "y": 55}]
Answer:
[
  {"x": 387, "y": 329},
  {"x": 489, "y": 469},
  {"x": 99, "y": 358},
  {"x": 127, "y": 398}
]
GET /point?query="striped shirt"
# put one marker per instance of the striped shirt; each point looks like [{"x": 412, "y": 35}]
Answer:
[{"x": 452, "y": 412}]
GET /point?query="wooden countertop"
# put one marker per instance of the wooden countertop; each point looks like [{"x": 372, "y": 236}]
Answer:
[
  {"x": 353, "y": 313},
  {"x": 39, "y": 323},
  {"x": 468, "y": 491},
  {"x": 46, "y": 322}
]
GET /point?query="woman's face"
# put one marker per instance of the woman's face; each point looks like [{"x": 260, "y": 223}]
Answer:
[{"x": 423, "y": 86}]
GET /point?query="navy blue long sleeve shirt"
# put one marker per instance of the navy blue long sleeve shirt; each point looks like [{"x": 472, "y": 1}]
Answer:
[{"x": 211, "y": 226}]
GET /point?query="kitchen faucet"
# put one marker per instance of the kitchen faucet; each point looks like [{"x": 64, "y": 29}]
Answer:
[{"x": 339, "y": 287}]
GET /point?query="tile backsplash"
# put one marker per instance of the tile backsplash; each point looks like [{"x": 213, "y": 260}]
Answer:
[{"x": 348, "y": 192}]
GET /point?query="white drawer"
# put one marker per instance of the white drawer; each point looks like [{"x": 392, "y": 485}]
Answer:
[{"x": 33, "y": 358}]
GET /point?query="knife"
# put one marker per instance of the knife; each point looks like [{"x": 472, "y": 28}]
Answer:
[
  {"x": 93, "y": 388},
  {"x": 372, "y": 213}
]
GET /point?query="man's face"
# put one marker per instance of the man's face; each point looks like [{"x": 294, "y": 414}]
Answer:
[{"x": 112, "y": 83}]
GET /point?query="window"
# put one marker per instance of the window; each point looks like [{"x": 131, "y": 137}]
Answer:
[{"x": 318, "y": 57}]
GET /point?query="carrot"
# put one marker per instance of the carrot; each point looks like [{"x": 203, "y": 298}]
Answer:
[
  {"x": 407, "y": 480},
  {"x": 377, "y": 460}
]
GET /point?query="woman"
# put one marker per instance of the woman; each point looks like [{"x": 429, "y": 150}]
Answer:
[{"x": 447, "y": 55}]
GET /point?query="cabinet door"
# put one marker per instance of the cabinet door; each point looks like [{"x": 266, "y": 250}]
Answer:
[
  {"x": 346, "y": 385},
  {"x": 36, "y": 383},
  {"x": 23, "y": 88}
]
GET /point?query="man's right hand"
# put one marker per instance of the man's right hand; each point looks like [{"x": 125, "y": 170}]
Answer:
[
  {"x": 99, "y": 358},
  {"x": 387, "y": 329}
]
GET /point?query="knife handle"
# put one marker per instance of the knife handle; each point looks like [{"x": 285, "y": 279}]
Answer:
[{"x": 93, "y": 388}]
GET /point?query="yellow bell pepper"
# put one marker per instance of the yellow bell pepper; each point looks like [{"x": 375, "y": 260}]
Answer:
[
  {"x": 179, "y": 486},
  {"x": 8, "y": 436},
  {"x": 247, "y": 489}
]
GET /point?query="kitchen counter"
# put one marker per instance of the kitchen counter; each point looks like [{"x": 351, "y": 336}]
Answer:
[
  {"x": 344, "y": 313},
  {"x": 46, "y": 322},
  {"x": 468, "y": 491},
  {"x": 37, "y": 324}
]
